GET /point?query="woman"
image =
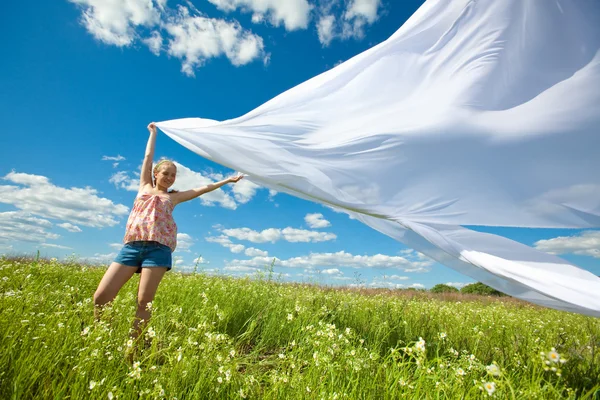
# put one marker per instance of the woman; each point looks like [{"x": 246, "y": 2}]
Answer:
[{"x": 150, "y": 237}]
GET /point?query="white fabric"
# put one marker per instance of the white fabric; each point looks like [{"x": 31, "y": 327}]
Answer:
[{"x": 473, "y": 113}]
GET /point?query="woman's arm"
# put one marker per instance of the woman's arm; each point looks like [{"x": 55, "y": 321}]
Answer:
[
  {"x": 180, "y": 197},
  {"x": 146, "y": 175}
]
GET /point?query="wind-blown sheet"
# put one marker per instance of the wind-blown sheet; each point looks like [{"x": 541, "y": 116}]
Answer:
[{"x": 473, "y": 113}]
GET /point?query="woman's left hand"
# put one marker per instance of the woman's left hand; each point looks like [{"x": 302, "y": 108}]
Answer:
[{"x": 235, "y": 179}]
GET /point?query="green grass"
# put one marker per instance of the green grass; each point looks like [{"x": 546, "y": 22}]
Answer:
[{"x": 216, "y": 337}]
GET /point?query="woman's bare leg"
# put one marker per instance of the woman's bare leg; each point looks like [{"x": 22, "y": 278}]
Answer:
[
  {"x": 149, "y": 281},
  {"x": 113, "y": 280}
]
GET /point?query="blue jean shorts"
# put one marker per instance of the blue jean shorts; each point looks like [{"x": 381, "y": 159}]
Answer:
[{"x": 145, "y": 254}]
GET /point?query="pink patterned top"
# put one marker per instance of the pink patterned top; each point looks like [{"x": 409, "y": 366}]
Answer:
[{"x": 152, "y": 219}]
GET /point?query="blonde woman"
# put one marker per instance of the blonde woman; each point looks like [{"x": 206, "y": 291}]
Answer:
[{"x": 150, "y": 236}]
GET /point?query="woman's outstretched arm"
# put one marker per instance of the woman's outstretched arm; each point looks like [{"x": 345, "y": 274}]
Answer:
[
  {"x": 180, "y": 197},
  {"x": 146, "y": 175}
]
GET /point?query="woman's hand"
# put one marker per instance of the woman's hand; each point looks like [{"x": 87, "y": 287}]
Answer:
[
  {"x": 152, "y": 127},
  {"x": 235, "y": 179}
]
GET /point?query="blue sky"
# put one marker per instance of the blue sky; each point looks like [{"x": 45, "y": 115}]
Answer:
[{"x": 81, "y": 79}]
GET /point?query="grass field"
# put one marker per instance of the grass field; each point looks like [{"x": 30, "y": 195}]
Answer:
[{"x": 216, "y": 337}]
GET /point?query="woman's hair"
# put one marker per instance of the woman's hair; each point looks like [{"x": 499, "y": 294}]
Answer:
[{"x": 156, "y": 169}]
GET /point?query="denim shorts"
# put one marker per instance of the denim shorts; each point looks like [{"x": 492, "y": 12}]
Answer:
[{"x": 144, "y": 254}]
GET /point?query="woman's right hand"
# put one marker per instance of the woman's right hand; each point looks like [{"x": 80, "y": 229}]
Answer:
[{"x": 152, "y": 127}]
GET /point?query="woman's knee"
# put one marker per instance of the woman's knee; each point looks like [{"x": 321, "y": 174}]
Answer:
[{"x": 101, "y": 297}]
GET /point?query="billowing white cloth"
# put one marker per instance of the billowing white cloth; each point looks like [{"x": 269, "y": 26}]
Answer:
[{"x": 475, "y": 112}]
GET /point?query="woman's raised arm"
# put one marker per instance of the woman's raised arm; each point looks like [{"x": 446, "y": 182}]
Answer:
[{"x": 146, "y": 175}]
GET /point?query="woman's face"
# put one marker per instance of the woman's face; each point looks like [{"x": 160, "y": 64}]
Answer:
[{"x": 165, "y": 176}]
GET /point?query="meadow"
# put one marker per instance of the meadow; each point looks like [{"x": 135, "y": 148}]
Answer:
[{"x": 214, "y": 337}]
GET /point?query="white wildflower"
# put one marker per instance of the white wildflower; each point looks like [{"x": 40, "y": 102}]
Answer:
[
  {"x": 420, "y": 345},
  {"x": 553, "y": 356},
  {"x": 493, "y": 370},
  {"x": 150, "y": 333},
  {"x": 490, "y": 387}
]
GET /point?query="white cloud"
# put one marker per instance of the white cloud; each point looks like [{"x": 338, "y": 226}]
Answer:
[
  {"x": 339, "y": 259},
  {"x": 154, "y": 42},
  {"x": 217, "y": 176},
  {"x": 69, "y": 227},
  {"x": 273, "y": 235},
  {"x": 244, "y": 190},
  {"x": 79, "y": 206},
  {"x": 27, "y": 179},
  {"x": 587, "y": 243},
  {"x": 226, "y": 242},
  {"x": 223, "y": 240},
  {"x": 366, "y": 9},
  {"x": 417, "y": 269},
  {"x": 377, "y": 283},
  {"x": 302, "y": 235},
  {"x": 240, "y": 269},
  {"x": 325, "y": 29},
  {"x": 116, "y": 246},
  {"x": 294, "y": 14},
  {"x": 104, "y": 259},
  {"x": 19, "y": 226},
  {"x": 351, "y": 21},
  {"x": 56, "y": 246},
  {"x": 332, "y": 271},
  {"x": 194, "y": 39},
  {"x": 111, "y": 158},
  {"x": 268, "y": 235},
  {"x": 184, "y": 242},
  {"x": 457, "y": 285},
  {"x": 122, "y": 180},
  {"x": 253, "y": 252},
  {"x": 191, "y": 37},
  {"x": 316, "y": 221},
  {"x": 237, "y": 248},
  {"x": 115, "y": 21},
  {"x": 397, "y": 278},
  {"x": 358, "y": 14}
]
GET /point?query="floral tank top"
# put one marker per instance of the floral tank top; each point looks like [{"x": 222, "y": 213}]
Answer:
[{"x": 152, "y": 219}]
